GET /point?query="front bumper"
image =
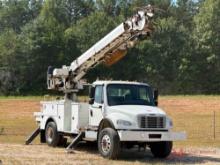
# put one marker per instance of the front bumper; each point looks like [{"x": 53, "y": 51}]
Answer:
[{"x": 151, "y": 136}]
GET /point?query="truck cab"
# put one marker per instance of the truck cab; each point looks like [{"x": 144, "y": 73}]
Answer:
[{"x": 124, "y": 103}]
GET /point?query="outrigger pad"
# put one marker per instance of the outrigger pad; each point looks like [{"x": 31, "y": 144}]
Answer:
[
  {"x": 75, "y": 141},
  {"x": 32, "y": 136}
]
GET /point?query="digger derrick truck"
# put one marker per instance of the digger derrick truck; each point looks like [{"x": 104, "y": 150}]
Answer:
[{"x": 119, "y": 113}]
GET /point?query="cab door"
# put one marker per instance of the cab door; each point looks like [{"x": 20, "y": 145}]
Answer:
[{"x": 96, "y": 107}]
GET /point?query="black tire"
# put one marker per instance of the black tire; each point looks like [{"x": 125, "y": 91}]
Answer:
[
  {"x": 51, "y": 135},
  {"x": 109, "y": 143},
  {"x": 161, "y": 149}
]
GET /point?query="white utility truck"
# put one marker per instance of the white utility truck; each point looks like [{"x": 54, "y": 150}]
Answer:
[{"x": 119, "y": 113}]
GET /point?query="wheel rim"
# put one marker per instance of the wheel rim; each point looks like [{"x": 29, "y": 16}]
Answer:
[
  {"x": 50, "y": 134},
  {"x": 106, "y": 143}
]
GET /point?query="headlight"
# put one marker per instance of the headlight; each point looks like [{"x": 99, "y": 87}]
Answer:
[
  {"x": 124, "y": 122},
  {"x": 170, "y": 123}
]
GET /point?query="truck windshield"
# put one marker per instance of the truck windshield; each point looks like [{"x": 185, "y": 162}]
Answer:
[{"x": 129, "y": 94}]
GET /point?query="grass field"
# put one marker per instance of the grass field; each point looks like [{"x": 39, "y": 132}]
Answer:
[{"x": 193, "y": 114}]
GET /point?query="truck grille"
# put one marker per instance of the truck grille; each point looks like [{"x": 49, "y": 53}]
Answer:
[{"x": 152, "y": 121}]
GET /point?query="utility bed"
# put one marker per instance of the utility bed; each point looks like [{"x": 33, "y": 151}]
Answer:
[{"x": 71, "y": 117}]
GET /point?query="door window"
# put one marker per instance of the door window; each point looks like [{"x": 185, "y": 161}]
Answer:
[{"x": 99, "y": 94}]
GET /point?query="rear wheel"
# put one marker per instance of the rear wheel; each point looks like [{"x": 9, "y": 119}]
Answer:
[
  {"x": 109, "y": 143},
  {"x": 51, "y": 134},
  {"x": 161, "y": 149}
]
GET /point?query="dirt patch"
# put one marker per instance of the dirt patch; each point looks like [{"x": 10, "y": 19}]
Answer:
[{"x": 84, "y": 154}]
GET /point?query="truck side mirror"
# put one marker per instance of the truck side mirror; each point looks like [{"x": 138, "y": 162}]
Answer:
[
  {"x": 156, "y": 93},
  {"x": 91, "y": 92},
  {"x": 91, "y": 95}
]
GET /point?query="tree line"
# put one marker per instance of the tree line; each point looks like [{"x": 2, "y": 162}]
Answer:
[{"x": 181, "y": 57}]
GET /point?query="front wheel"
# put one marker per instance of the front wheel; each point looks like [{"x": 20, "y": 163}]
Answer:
[
  {"x": 109, "y": 143},
  {"x": 161, "y": 149}
]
